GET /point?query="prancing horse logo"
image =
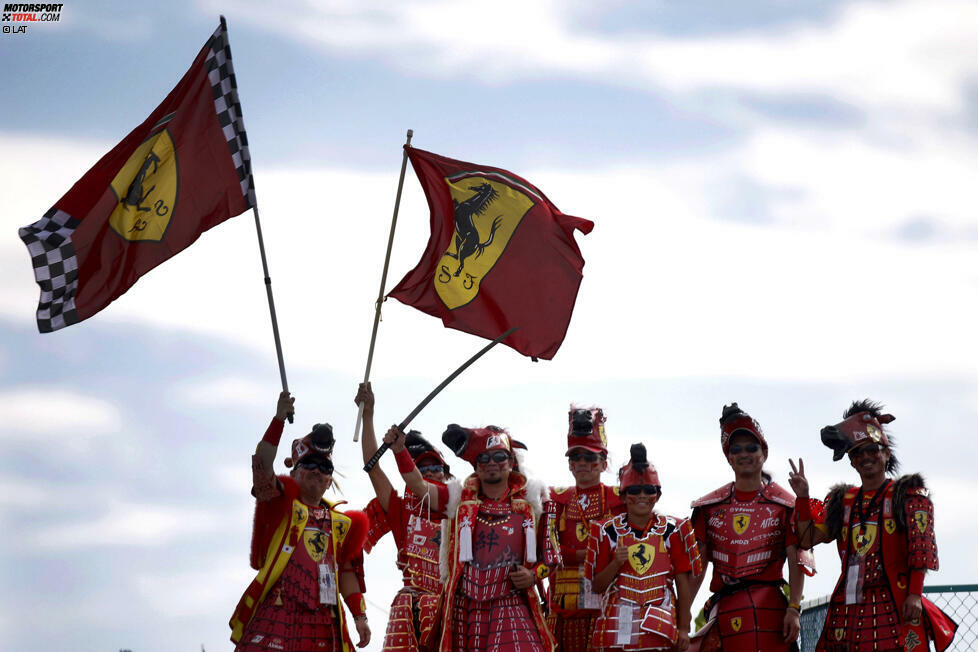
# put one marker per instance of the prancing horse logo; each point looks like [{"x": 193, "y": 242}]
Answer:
[
  {"x": 741, "y": 522},
  {"x": 488, "y": 207}
]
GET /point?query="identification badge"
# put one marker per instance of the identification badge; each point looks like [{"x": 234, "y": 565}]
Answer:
[{"x": 327, "y": 585}]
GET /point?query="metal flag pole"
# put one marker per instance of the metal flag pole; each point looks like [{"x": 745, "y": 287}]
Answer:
[
  {"x": 372, "y": 462},
  {"x": 271, "y": 304},
  {"x": 383, "y": 280}
]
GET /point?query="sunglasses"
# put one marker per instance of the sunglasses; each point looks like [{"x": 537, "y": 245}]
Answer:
[
  {"x": 588, "y": 457},
  {"x": 325, "y": 466},
  {"x": 736, "y": 449},
  {"x": 868, "y": 449},
  {"x": 496, "y": 456},
  {"x": 431, "y": 468},
  {"x": 636, "y": 489}
]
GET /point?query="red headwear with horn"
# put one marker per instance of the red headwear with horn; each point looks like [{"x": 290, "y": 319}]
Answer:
[
  {"x": 638, "y": 470},
  {"x": 734, "y": 419},
  {"x": 585, "y": 429}
]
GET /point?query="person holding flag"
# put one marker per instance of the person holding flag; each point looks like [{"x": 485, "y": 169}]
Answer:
[
  {"x": 490, "y": 560},
  {"x": 642, "y": 562},
  {"x": 416, "y": 528},
  {"x": 308, "y": 554},
  {"x": 573, "y": 605},
  {"x": 884, "y": 532}
]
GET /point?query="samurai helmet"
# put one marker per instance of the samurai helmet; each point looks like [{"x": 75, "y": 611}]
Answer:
[
  {"x": 586, "y": 430},
  {"x": 734, "y": 420},
  {"x": 469, "y": 443},
  {"x": 863, "y": 424},
  {"x": 637, "y": 470},
  {"x": 318, "y": 443},
  {"x": 419, "y": 447}
]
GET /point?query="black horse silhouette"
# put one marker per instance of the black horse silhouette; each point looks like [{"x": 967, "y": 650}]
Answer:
[
  {"x": 640, "y": 555},
  {"x": 135, "y": 195},
  {"x": 466, "y": 235}
]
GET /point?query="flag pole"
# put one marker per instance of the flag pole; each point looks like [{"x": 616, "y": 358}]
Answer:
[
  {"x": 271, "y": 304},
  {"x": 383, "y": 281}
]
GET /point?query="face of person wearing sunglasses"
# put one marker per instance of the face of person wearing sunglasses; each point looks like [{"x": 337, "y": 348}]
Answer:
[
  {"x": 586, "y": 467},
  {"x": 745, "y": 455},
  {"x": 641, "y": 499},
  {"x": 314, "y": 476},
  {"x": 869, "y": 460},
  {"x": 431, "y": 468},
  {"x": 493, "y": 466}
]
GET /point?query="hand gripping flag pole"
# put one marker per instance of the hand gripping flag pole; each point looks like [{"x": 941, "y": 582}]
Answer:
[
  {"x": 372, "y": 462},
  {"x": 383, "y": 282}
]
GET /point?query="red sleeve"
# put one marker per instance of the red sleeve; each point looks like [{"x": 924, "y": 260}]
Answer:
[
  {"x": 790, "y": 535},
  {"x": 921, "y": 541},
  {"x": 397, "y": 517},
  {"x": 598, "y": 553},
  {"x": 274, "y": 432},
  {"x": 379, "y": 525},
  {"x": 683, "y": 551},
  {"x": 699, "y": 524}
]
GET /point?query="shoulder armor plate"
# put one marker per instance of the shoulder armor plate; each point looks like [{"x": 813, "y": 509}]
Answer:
[{"x": 714, "y": 497}]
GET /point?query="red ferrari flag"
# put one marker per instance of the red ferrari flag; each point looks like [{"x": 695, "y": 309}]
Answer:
[
  {"x": 181, "y": 172},
  {"x": 500, "y": 255}
]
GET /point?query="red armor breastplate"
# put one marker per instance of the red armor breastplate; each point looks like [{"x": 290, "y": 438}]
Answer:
[
  {"x": 300, "y": 579},
  {"x": 497, "y": 544},
  {"x": 646, "y": 576},
  {"x": 418, "y": 558},
  {"x": 745, "y": 537}
]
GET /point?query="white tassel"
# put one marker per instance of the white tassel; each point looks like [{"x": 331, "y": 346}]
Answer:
[
  {"x": 531, "y": 541},
  {"x": 624, "y": 634},
  {"x": 465, "y": 540}
]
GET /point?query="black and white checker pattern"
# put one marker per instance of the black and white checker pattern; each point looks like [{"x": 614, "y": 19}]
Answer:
[
  {"x": 55, "y": 268},
  {"x": 220, "y": 72}
]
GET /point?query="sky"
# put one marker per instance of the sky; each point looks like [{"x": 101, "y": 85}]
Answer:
[{"x": 780, "y": 192}]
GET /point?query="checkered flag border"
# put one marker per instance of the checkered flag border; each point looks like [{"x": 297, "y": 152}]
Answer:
[
  {"x": 55, "y": 268},
  {"x": 220, "y": 72}
]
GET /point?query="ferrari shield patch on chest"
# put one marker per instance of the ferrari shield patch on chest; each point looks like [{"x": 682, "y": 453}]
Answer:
[
  {"x": 315, "y": 541},
  {"x": 735, "y": 624},
  {"x": 741, "y": 522},
  {"x": 487, "y": 212},
  {"x": 863, "y": 538},
  {"x": 640, "y": 556},
  {"x": 146, "y": 190},
  {"x": 582, "y": 531}
]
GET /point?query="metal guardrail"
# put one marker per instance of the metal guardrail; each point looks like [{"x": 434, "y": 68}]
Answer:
[{"x": 959, "y": 601}]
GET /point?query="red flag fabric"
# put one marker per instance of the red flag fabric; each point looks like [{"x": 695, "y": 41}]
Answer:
[
  {"x": 181, "y": 172},
  {"x": 500, "y": 255}
]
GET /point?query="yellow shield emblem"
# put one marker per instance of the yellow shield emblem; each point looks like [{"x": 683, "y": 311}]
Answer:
[
  {"x": 146, "y": 190},
  {"x": 863, "y": 538},
  {"x": 316, "y": 542},
  {"x": 922, "y": 519},
  {"x": 741, "y": 522},
  {"x": 839, "y": 633},
  {"x": 889, "y": 525},
  {"x": 582, "y": 531},
  {"x": 735, "y": 623},
  {"x": 640, "y": 556},
  {"x": 487, "y": 212}
]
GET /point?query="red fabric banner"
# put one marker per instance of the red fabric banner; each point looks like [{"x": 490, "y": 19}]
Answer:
[
  {"x": 500, "y": 255},
  {"x": 185, "y": 169}
]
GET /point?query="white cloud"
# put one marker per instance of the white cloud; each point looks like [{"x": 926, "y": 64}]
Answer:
[
  {"x": 223, "y": 392},
  {"x": 133, "y": 524},
  {"x": 912, "y": 55},
  {"x": 29, "y": 411}
]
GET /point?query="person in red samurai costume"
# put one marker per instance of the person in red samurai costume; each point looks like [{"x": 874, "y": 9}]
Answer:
[
  {"x": 490, "y": 553},
  {"x": 416, "y": 529},
  {"x": 635, "y": 559},
  {"x": 884, "y": 531},
  {"x": 308, "y": 554},
  {"x": 746, "y": 529},
  {"x": 573, "y": 605}
]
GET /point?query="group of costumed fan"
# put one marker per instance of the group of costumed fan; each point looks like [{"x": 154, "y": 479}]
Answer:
[{"x": 500, "y": 561}]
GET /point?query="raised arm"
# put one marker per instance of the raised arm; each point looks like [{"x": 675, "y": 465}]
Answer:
[
  {"x": 263, "y": 475},
  {"x": 380, "y": 481},
  {"x": 809, "y": 535},
  {"x": 412, "y": 476}
]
